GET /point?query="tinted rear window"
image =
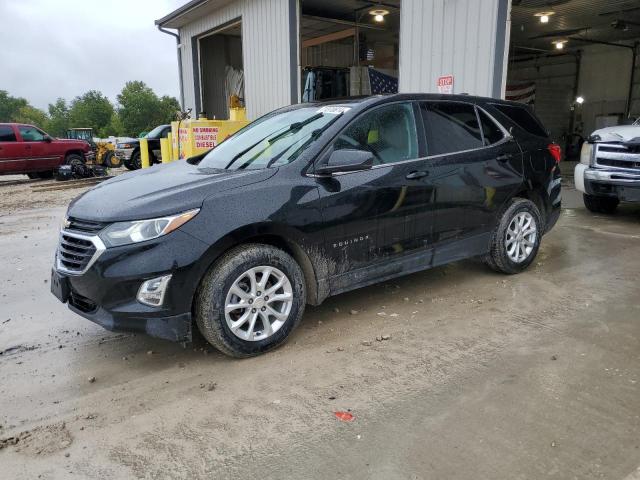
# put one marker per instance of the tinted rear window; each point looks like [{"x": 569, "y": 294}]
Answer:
[
  {"x": 522, "y": 117},
  {"x": 450, "y": 127},
  {"x": 6, "y": 134}
]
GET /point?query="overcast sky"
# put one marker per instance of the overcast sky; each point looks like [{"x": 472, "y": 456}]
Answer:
[{"x": 63, "y": 48}]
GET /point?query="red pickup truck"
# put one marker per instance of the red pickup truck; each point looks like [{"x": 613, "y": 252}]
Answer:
[{"x": 27, "y": 149}]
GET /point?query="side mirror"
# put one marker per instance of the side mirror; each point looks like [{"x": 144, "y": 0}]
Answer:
[
  {"x": 346, "y": 161},
  {"x": 48, "y": 139}
]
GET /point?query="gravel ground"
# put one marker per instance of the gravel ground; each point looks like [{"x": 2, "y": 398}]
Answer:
[
  {"x": 454, "y": 373},
  {"x": 16, "y": 197}
]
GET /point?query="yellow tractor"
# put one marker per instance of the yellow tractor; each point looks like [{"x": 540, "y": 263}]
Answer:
[{"x": 103, "y": 153}]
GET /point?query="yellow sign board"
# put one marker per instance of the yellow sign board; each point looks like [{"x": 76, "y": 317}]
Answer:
[{"x": 196, "y": 136}]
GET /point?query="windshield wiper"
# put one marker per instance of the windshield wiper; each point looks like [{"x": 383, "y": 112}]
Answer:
[
  {"x": 314, "y": 135},
  {"x": 294, "y": 127}
]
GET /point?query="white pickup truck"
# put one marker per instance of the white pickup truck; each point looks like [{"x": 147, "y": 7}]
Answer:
[{"x": 609, "y": 168}]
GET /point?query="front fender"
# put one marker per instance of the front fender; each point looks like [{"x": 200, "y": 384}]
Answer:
[{"x": 272, "y": 212}]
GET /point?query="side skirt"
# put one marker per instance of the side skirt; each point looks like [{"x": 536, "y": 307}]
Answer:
[{"x": 410, "y": 263}]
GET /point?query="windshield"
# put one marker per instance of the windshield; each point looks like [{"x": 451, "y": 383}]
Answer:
[
  {"x": 272, "y": 141},
  {"x": 156, "y": 132}
]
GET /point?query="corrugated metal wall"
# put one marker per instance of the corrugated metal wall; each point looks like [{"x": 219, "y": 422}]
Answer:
[
  {"x": 555, "y": 81},
  {"x": 452, "y": 37},
  {"x": 266, "y": 52}
]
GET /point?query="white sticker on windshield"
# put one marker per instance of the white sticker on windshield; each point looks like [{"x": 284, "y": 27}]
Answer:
[{"x": 334, "y": 109}]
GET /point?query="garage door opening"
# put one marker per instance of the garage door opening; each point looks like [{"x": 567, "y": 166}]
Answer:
[
  {"x": 575, "y": 62},
  {"x": 221, "y": 71},
  {"x": 349, "y": 48}
]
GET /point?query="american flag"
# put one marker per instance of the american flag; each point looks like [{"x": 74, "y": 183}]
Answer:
[
  {"x": 382, "y": 83},
  {"x": 522, "y": 92}
]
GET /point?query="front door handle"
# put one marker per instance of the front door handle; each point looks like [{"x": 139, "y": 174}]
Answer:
[
  {"x": 416, "y": 175},
  {"x": 505, "y": 157}
]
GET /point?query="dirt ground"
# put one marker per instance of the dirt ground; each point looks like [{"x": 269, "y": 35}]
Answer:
[{"x": 453, "y": 373}]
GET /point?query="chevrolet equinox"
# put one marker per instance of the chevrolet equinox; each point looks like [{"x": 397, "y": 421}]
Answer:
[{"x": 306, "y": 202}]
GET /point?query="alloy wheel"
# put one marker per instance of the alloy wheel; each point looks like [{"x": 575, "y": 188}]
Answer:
[
  {"x": 258, "y": 303},
  {"x": 521, "y": 237}
]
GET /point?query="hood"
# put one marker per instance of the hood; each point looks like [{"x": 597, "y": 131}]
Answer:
[
  {"x": 159, "y": 191},
  {"x": 621, "y": 133}
]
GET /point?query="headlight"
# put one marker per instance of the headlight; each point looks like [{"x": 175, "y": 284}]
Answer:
[
  {"x": 586, "y": 153},
  {"x": 123, "y": 145},
  {"x": 123, "y": 233}
]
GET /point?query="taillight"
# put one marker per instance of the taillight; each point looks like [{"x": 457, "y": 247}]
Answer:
[{"x": 555, "y": 151}]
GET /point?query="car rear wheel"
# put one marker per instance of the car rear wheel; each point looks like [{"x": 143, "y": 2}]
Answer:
[
  {"x": 74, "y": 159},
  {"x": 516, "y": 239},
  {"x": 251, "y": 300},
  {"x": 600, "y": 204}
]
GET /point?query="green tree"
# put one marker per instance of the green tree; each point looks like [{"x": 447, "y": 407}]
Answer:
[
  {"x": 141, "y": 110},
  {"x": 114, "y": 127},
  {"x": 10, "y": 106},
  {"x": 32, "y": 116},
  {"x": 58, "y": 118},
  {"x": 138, "y": 105},
  {"x": 92, "y": 109},
  {"x": 169, "y": 106}
]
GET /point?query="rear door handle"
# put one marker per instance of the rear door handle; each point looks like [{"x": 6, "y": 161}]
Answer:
[
  {"x": 504, "y": 157},
  {"x": 416, "y": 175}
]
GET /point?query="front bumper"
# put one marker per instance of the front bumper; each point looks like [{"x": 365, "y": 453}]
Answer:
[
  {"x": 621, "y": 184},
  {"x": 176, "y": 328},
  {"x": 106, "y": 292},
  {"x": 124, "y": 153}
]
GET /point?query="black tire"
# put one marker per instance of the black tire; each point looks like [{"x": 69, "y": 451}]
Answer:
[
  {"x": 212, "y": 293},
  {"x": 134, "y": 163},
  {"x": 74, "y": 159},
  {"x": 600, "y": 204},
  {"x": 498, "y": 257},
  {"x": 111, "y": 160}
]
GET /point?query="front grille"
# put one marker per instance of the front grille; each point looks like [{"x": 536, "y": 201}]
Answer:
[
  {"x": 82, "y": 303},
  {"x": 77, "y": 252},
  {"x": 617, "y": 155},
  {"x": 619, "y": 163},
  {"x": 87, "y": 226}
]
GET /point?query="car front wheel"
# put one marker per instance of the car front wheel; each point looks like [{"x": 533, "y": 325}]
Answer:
[
  {"x": 516, "y": 239},
  {"x": 251, "y": 300},
  {"x": 134, "y": 163},
  {"x": 600, "y": 204}
]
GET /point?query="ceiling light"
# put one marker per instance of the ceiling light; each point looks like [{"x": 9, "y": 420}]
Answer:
[
  {"x": 544, "y": 16},
  {"x": 379, "y": 14},
  {"x": 580, "y": 100},
  {"x": 559, "y": 44}
]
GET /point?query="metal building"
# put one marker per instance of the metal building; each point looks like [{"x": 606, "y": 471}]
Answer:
[{"x": 275, "y": 43}]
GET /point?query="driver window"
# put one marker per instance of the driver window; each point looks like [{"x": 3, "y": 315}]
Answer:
[
  {"x": 30, "y": 134},
  {"x": 389, "y": 132}
]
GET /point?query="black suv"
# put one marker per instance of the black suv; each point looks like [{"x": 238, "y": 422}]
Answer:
[{"x": 309, "y": 201}]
